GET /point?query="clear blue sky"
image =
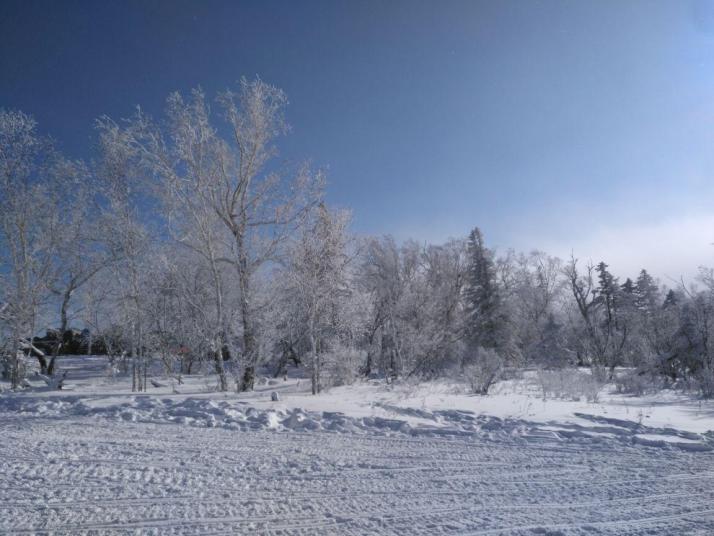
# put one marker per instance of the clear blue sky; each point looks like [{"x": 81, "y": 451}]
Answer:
[{"x": 585, "y": 126}]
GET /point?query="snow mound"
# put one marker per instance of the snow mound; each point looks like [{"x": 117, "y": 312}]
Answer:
[{"x": 237, "y": 415}]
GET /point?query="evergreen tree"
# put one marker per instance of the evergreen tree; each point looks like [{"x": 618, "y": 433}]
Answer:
[
  {"x": 485, "y": 320},
  {"x": 671, "y": 300},
  {"x": 647, "y": 296},
  {"x": 608, "y": 295},
  {"x": 627, "y": 296},
  {"x": 628, "y": 287}
]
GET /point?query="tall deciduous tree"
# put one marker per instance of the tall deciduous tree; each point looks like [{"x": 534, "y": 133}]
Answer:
[
  {"x": 124, "y": 189},
  {"x": 235, "y": 179},
  {"x": 318, "y": 282},
  {"x": 28, "y": 230},
  {"x": 81, "y": 245}
]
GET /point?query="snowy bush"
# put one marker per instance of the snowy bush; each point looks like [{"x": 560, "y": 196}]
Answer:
[
  {"x": 484, "y": 371},
  {"x": 341, "y": 365},
  {"x": 569, "y": 384},
  {"x": 638, "y": 382}
]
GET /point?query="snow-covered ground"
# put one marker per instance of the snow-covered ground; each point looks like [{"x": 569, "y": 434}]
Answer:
[{"x": 362, "y": 459}]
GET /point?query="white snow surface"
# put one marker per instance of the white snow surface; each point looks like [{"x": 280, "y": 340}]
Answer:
[{"x": 369, "y": 458}]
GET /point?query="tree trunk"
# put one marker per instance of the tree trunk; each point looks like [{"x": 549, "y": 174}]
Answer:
[
  {"x": 314, "y": 358},
  {"x": 369, "y": 365},
  {"x": 220, "y": 369},
  {"x": 51, "y": 366},
  {"x": 248, "y": 380},
  {"x": 249, "y": 353},
  {"x": 63, "y": 328},
  {"x": 14, "y": 365},
  {"x": 42, "y": 360},
  {"x": 282, "y": 362}
]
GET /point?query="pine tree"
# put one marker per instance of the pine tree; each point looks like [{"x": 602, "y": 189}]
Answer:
[
  {"x": 627, "y": 296},
  {"x": 628, "y": 287},
  {"x": 484, "y": 315},
  {"x": 608, "y": 295},
  {"x": 647, "y": 296},
  {"x": 671, "y": 300}
]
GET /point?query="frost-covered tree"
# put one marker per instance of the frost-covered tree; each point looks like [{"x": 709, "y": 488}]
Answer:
[
  {"x": 695, "y": 351},
  {"x": 414, "y": 315},
  {"x": 440, "y": 318},
  {"x": 382, "y": 278},
  {"x": 181, "y": 314},
  {"x": 94, "y": 298},
  {"x": 658, "y": 326},
  {"x": 317, "y": 283},
  {"x": 191, "y": 189},
  {"x": 29, "y": 226},
  {"x": 534, "y": 301},
  {"x": 258, "y": 202},
  {"x": 124, "y": 190},
  {"x": 81, "y": 244},
  {"x": 602, "y": 333}
]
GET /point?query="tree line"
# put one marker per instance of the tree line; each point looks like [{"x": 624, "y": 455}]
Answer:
[{"x": 186, "y": 240}]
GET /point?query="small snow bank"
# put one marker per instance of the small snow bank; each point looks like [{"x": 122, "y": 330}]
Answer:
[
  {"x": 234, "y": 415},
  {"x": 522, "y": 399},
  {"x": 239, "y": 416}
]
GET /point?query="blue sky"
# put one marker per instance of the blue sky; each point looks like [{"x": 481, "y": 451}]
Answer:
[{"x": 568, "y": 126}]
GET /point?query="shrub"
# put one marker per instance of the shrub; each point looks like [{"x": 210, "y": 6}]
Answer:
[
  {"x": 569, "y": 384},
  {"x": 341, "y": 365},
  {"x": 638, "y": 382},
  {"x": 484, "y": 370}
]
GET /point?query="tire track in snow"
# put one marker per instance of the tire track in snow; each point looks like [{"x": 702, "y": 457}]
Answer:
[{"x": 119, "y": 478}]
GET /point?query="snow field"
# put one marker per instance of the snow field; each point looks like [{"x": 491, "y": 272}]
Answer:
[
  {"x": 83, "y": 475},
  {"x": 421, "y": 459}
]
